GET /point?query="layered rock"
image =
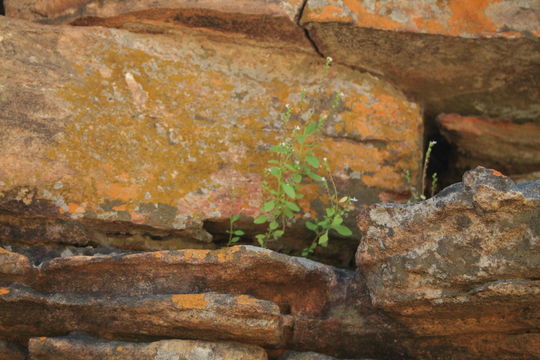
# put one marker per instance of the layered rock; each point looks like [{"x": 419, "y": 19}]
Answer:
[
  {"x": 459, "y": 56},
  {"x": 94, "y": 349},
  {"x": 245, "y": 294},
  {"x": 511, "y": 148},
  {"x": 460, "y": 270}
]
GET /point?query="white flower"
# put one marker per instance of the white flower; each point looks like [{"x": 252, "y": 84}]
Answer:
[
  {"x": 323, "y": 179},
  {"x": 329, "y": 59},
  {"x": 353, "y": 199},
  {"x": 297, "y": 127},
  {"x": 287, "y": 106},
  {"x": 325, "y": 159}
]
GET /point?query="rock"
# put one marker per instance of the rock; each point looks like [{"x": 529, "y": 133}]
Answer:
[
  {"x": 511, "y": 148},
  {"x": 461, "y": 56},
  {"x": 463, "y": 264},
  {"x": 294, "y": 355},
  {"x": 63, "y": 11},
  {"x": 89, "y": 293},
  {"x": 25, "y": 313},
  {"x": 102, "y": 124},
  {"x": 10, "y": 351},
  {"x": 67, "y": 348},
  {"x": 262, "y": 273},
  {"x": 13, "y": 264}
]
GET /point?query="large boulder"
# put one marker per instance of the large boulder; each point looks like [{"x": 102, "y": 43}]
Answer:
[
  {"x": 167, "y": 131},
  {"x": 461, "y": 265},
  {"x": 460, "y": 56}
]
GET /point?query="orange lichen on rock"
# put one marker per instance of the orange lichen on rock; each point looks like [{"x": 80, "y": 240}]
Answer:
[
  {"x": 454, "y": 17},
  {"x": 190, "y": 301},
  {"x": 4, "y": 291}
]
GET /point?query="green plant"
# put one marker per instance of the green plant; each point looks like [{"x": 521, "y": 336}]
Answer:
[
  {"x": 294, "y": 165},
  {"x": 420, "y": 195},
  {"x": 234, "y": 235}
]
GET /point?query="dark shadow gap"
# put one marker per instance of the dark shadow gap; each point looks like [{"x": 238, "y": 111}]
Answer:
[{"x": 2, "y": 10}]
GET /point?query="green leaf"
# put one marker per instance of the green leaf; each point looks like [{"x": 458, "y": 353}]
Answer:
[
  {"x": 330, "y": 211},
  {"x": 260, "y": 220},
  {"x": 311, "y": 128},
  {"x": 277, "y": 234},
  {"x": 289, "y": 190},
  {"x": 342, "y": 230},
  {"x": 297, "y": 178},
  {"x": 288, "y": 213},
  {"x": 300, "y": 139},
  {"x": 313, "y": 161},
  {"x": 313, "y": 176},
  {"x": 274, "y": 170},
  {"x": 273, "y": 162},
  {"x": 311, "y": 226},
  {"x": 273, "y": 225},
  {"x": 239, "y": 233},
  {"x": 337, "y": 220},
  {"x": 280, "y": 149},
  {"x": 234, "y": 239},
  {"x": 234, "y": 218},
  {"x": 292, "y": 206},
  {"x": 269, "y": 205},
  {"x": 323, "y": 240}
]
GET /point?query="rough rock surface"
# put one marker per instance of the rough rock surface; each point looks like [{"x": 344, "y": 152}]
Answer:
[
  {"x": 243, "y": 293},
  {"x": 472, "y": 57},
  {"x": 87, "y": 348},
  {"x": 111, "y": 125},
  {"x": 9, "y": 351},
  {"x": 511, "y": 148},
  {"x": 461, "y": 265}
]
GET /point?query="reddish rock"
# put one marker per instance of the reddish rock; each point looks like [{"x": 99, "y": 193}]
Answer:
[
  {"x": 511, "y": 148},
  {"x": 459, "y": 56},
  {"x": 87, "y": 348},
  {"x": 163, "y": 131},
  {"x": 463, "y": 264},
  {"x": 25, "y": 313}
]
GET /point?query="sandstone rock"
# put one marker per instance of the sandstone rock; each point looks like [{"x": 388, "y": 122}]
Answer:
[
  {"x": 85, "y": 293},
  {"x": 462, "y": 264},
  {"x": 511, "y": 148},
  {"x": 294, "y": 355},
  {"x": 25, "y": 313},
  {"x": 67, "y": 348},
  {"x": 62, "y": 11},
  {"x": 170, "y": 130},
  {"x": 460, "y": 56}
]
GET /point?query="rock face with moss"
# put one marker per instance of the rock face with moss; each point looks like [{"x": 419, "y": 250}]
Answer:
[
  {"x": 460, "y": 269},
  {"x": 110, "y": 125}
]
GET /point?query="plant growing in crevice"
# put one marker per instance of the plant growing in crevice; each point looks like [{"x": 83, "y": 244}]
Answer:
[
  {"x": 421, "y": 195},
  {"x": 294, "y": 165},
  {"x": 234, "y": 234}
]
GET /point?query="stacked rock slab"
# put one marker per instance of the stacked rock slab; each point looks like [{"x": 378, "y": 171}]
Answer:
[
  {"x": 243, "y": 294},
  {"x": 460, "y": 270}
]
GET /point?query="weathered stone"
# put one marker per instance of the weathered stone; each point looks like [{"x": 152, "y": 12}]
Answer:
[
  {"x": 511, "y": 148},
  {"x": 87, "y": 348},
  {"x": 463, "y": 263},
  {"x": 25, "y": 313},
  {"x": 10, "y": 351},
  {"x": 13, "y": 264},
  {"x": 164, "y": 131},
  {"x": 472, "y": 57},
  {"x": 62, "y": 11},
  {"x": 294, "y": 355},
  {"x": 320, "y": 299}
]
